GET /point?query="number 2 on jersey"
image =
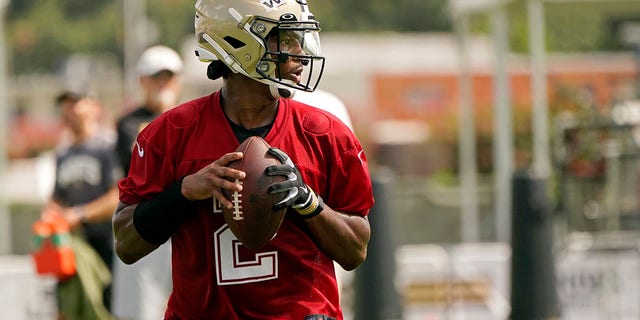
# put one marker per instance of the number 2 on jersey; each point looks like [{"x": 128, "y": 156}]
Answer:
[{"x": 230, "y": 269}]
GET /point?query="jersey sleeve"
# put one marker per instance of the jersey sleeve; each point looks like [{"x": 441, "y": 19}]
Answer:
[
  {"x": 152, "y": 167},
  {"x": 330, "y": 157},
  {"x": 350, "y": 187},
  {"x": 155, "y": 154}
]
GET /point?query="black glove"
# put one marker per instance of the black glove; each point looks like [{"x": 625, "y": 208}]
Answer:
[{"x": 299, "y": 196}]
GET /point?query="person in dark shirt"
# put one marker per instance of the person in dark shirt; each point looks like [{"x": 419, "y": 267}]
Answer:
[
  {"x": 159, "y": 68},
  {"x": 86, "y": 171}
]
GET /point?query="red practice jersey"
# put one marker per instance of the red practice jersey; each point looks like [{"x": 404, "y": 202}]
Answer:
[{"x": 214, "y": 275}]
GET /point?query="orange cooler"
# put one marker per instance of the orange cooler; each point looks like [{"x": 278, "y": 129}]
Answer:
[{"x": 52, "y": 241}]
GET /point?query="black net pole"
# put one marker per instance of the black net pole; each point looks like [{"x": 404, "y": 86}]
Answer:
[
  {"x": 375, "y": 295},
  {"x": 533, "y": 281}
]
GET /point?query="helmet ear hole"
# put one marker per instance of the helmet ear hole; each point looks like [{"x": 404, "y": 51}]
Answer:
[
  {"x": 286, "y": 93},
  {"x": 217, "y": 69},
  {"x": 235, "y": 43}
]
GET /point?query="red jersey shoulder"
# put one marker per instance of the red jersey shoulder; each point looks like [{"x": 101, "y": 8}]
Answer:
[
  {"x": 315, "y": 120},
  {"x": 187, "y": 113},
  {"x": 180, "y": 117}
]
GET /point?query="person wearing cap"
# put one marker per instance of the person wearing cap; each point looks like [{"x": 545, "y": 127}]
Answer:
[
  {"x": 85, "y": 195},
  {"x": 141, "y": 291},
  {"x": 159, "y": 68}
]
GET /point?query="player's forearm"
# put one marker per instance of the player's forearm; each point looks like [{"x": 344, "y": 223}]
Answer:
[
  {"x": 342, "y": 237},
  {"x": 129, "y": 245},
  {"x": 102, "y": 208}
]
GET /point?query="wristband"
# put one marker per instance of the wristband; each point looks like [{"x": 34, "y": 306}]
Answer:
[
  {"x": 313, "y": 209},
  {"x": 157, "y": 219}
]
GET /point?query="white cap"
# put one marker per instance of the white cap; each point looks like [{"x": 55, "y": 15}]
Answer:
[{"x": 158, "y": 58}]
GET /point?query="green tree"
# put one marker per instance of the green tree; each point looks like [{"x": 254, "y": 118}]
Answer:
[
  {"x": 173, "y": 18},
  {"x": 382, "y": 15},
  {"x": 43, "y": 33},
  {"x": 571, "y": 27}
]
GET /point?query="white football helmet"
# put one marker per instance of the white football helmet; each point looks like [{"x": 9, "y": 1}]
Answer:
[{"x": 236, "y": 32}]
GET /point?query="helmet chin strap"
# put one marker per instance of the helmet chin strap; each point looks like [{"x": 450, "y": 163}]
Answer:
[{"x": 280, "y": 92}]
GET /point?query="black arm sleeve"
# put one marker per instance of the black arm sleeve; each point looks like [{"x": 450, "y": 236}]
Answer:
[{"x": 157, "y": 219}]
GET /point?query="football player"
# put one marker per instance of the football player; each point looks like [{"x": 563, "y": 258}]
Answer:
[{"x": 264, "y": 50}]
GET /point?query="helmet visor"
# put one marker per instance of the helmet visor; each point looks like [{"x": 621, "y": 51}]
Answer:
[
  {"x": 306, "y": 34},
  {"x": 300, "y": 43},
  {"x": 291, "y": 41}
]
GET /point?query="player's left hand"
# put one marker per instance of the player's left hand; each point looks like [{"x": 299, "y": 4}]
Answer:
[
  {"x": 299, "y": 195},
  {"x": 210, "y": 180}
]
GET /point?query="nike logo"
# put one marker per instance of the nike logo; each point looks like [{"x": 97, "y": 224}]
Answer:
[
  {"x": 140, "y": 150},
  {"x": 361, "y": 156}
]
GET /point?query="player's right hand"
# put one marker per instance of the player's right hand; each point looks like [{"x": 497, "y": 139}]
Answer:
[{"x": 210, "y": 180}]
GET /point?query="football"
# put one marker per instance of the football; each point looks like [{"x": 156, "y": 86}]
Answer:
[{"x": 252, "y": 218}]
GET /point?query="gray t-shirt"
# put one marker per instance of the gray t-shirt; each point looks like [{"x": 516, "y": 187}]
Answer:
[{"x": 85, "y": 172}]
